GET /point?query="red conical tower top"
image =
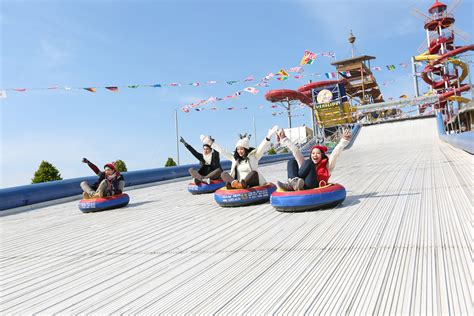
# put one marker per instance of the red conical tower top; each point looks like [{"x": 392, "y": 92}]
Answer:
[{"x": 437, "y": 7}]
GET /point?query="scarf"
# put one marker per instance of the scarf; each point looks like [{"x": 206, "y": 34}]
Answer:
[{"x": 110, "y": 180}]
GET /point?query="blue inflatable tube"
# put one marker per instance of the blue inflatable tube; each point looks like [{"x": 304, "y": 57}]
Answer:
[
  {"x": 105, "y": 203},
  {"x": 306, "y": 200},
  {"x": 204, "y": 187},
  {"x": 243, "y": 197}
]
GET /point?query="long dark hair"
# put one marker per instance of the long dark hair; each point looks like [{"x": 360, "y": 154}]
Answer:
[{"x": 244, "y": 157}]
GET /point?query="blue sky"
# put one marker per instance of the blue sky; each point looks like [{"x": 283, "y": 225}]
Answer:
[{"x": 109, "y": 43}]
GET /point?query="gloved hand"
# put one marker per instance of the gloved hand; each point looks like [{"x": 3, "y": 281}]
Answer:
[
  {"x": 272, "y": 131},
  {"x": 181, "y": 139},
  {"x": 207, "y": 140},
  {"x": 84, "y": 160},
  {"x": 281, "y": 134}
]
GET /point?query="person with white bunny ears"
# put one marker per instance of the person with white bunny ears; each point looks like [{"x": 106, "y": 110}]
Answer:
[{"x": 244, "y": 170}]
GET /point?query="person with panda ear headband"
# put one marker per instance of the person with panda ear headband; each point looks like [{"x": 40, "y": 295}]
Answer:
[
  {"x": 244, "y": 171},
  {"x": 315, "y": 171}
]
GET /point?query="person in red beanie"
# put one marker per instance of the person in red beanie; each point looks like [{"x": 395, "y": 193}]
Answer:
[
  {"x": 110, "y": 182},
  {"x": 314, "y": 172}
]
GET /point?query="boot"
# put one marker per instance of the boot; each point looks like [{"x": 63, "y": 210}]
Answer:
[
  {"x": 97, "y": 195},
  {"x": 285, "y": 186},
  {"x": 237, "y": 185},
  {"x": 86, "y": 196},
  {"x": 297, "y": 184}
]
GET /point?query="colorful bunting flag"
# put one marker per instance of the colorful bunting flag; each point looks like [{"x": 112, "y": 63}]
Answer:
[
  {"x": 282, "y": 73},
  {"x": 3, "y": 94},
  {"x": 133, "y": 86},
  {"x": 282, "y": 78},
  {"x": 20, "y": 89},
  {"x": 231, "y": 82},
  {"x": 157, "y": 85},
  {"x": 113, "y": 89},
  {"x": 404, "y": 65},
  {"x": 330, "y": 75},
  {"x": 328, "y": 54},
  {"x": 211, "y": 82},
  {"x": 376, "y": 68},
  {"x": 308, "y": 58},
  {"x": 251, "y": 90},
  {"x": 390, "y": 67},
  {"x": 196, "y": 84},
  {"x": 249, "y": 78},
  {"x": 296, "y": 69},
  {"x": 91, "y": 89}
]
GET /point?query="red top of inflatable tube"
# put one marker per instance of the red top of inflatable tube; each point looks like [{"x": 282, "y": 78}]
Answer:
[
  {"x": 326, "y": 189},
  {"x": 287, "y": 95},
  {"x": 314, "y": 85}
]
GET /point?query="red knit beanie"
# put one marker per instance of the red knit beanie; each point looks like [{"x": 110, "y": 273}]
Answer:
[
  {"x": 111, "y": 165},
  {"x": 323, "y": 149}
]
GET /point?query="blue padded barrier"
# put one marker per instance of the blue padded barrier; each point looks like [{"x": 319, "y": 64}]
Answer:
[
  {"x": 464, "y": 141},
  {"x": 42, "y": 192}
]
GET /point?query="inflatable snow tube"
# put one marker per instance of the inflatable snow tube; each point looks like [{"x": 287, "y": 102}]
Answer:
[
  {"x": 306, "y": 200},
  {"x": 105, "y": 203},
  {"x": 204, "y": 187},
  {"x": 242, "y": 197}
]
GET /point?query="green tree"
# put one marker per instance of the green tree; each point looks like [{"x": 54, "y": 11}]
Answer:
[
  {"x": 170, "y": 162},
  {"x": 285, "y": 150},
  {"x": 46, "y": 172},
  {"x": 272, "y": 151},
  {"x": 120, "y": 165}
]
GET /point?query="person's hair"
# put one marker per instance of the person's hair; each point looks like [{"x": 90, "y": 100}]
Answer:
[
  {"x": 206, "y": 145},
  {"x": 237, "y": 156}
]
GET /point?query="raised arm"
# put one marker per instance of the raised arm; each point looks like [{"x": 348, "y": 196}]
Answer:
[
  {"x": 92, "y": 166},
  {"x": 285, "y": 141},
  {"x": 207, "y": 140},
  {"x": 265, "y": 142},
  {"x": 346, "y": 137},
  {"x": 191, "y": 149}
]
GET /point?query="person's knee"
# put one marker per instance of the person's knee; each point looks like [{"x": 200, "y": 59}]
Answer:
[
  {"x": 83, "y": 183},
  {"x": 292, "y": 162}
]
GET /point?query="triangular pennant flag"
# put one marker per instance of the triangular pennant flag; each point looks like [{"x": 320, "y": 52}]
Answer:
[
  {"x": 391, "y": 67},
  {"x": 133, "y": 86},
  {"x": 91, "y": 89},
  {"x": 282, "y": 78},
  {"x": 157, "y": 85},
  {"x": 283, "y": 73},
  {"x": 113, "y": 89}
]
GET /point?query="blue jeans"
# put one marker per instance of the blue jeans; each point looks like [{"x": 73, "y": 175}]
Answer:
[{"x": 307, "y": 172}]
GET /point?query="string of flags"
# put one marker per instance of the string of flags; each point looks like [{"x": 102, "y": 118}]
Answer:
[{"x": 282, "y": 75}]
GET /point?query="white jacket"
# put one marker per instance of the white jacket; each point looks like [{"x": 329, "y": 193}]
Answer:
[
  {"x": 331, "y": 159},
  {"x": 253, "y": 158}
]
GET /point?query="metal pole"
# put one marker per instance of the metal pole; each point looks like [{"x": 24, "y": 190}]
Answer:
[
  {"x": 177, "y": 136},
  {"x": 415, "y": 77},
  {"x": 289, "y": 114}
]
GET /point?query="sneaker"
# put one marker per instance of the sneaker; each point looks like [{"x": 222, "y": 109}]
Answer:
[
  {"x": 284, "y": 186},
  {"x": 195, "y": 174},
  {"x": 196, "y": 181},
  {"x": 206, "y": 180},
  {"x": 297, "y": 184}
]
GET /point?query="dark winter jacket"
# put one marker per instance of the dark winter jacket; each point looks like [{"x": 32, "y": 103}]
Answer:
[
  {"x": 203, "y": 168},
  {"x": 101, "y": 174}
]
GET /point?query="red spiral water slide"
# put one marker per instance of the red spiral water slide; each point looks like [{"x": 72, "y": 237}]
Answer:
[{"x": 286, "y": 95}]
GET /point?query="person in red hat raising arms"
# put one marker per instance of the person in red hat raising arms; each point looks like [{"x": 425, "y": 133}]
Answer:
[
  {"x": 110, "y": 182},
  {"x": 315, "y": 171}
]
